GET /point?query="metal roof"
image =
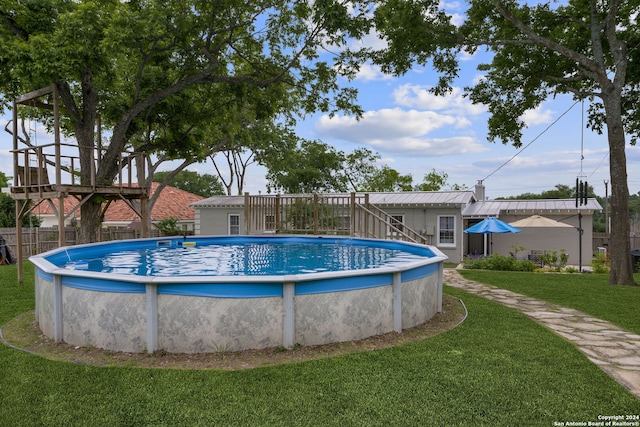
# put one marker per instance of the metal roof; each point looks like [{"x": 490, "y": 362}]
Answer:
[
  {"x": 532, "y": 207},
  {"x": 220, "y": 202},
  {"x": 404, "y": 198},
  {"x": 465, "y": 199},
  {"x": 422, "y": 198}
]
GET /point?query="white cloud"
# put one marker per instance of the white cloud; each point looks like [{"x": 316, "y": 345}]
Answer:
[
  {"x": 466, "y": 56},
  {"x": 370, "y": 72},
  {"x": 399, "y": 132},
  {"x": 539, "y": 115},
  {"x": 418, "y": 96},
  {"x": 457, "y": 19},
  {"x": 386, "y": 161},
  {"x": 633, "y": 153},
  {"x": 543, "y": 170},
  {"x": 383, "y": 123},
  {"x": 427, "y": 147},
  {"x": 370, "y": 41}
]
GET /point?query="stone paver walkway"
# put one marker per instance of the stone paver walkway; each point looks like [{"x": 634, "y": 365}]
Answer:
[{"x": 614, "y": 350}]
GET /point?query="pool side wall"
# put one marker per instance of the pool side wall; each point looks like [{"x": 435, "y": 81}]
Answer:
[
  {"x": 188, "y": 324},
  {"x": 197, "y": 324}
]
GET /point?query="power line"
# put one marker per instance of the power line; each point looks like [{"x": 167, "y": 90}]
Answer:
[
  {"x": 532, "y": 141},
  {"x": 599, "y": 164}
]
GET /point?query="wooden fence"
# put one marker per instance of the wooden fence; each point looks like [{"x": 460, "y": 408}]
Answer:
[
  {"x": 601, "y": 240},
  {"x": 36, "y": 240}
]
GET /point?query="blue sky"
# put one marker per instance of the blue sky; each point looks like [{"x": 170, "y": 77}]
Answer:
[{"x": 415, "y": 132}]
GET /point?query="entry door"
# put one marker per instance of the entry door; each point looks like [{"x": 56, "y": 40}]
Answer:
[{"x": 475, "y": 241}]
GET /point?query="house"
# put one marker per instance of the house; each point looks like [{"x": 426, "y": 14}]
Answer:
[
  {"x": 172, "y": 202},
  {"x": 436, "y": 218},
  {"x": 562, "y": 233}
]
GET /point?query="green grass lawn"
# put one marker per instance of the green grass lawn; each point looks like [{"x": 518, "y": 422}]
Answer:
[
  {"x": 589, "y": 293},
  {"x": 496, "y": 369}
]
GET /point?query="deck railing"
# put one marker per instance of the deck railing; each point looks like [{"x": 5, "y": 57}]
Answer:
[
  {"x": 33, "y": 162},
  {"x": 333, "y": 214}
]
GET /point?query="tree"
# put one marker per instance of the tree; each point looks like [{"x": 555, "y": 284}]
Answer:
[
  {"x": 258, "y": 138},
  {"x": 202, "y": 121},
  {"x": 122, "y": 60},
  {"x": 205, "y": 185},
  {"x": 308, "y": 168},
  {"x": 8, "y": 214},
  {"x": 360, "y": 168},
  {"x": 238, "y": 160},
  {"x": 4, "y": 180},
  {"x": 313, "y": 166},
  {"x": 389, "y": 179},
  {"x": 584, "y": 48},
  {"x": 560, "y": 191},
  {"x": 434, "y": 181}
]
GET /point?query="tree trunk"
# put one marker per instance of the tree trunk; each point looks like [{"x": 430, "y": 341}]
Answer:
[
  {"x": 90, "y": 221},
  {"x": 619, "y": 245}
]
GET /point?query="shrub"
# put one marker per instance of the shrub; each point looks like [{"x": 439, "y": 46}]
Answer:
[
  {"x": 499, "y": 262},
  {"x": 600, "y": 263},
  {"x": 550, "y": 259},
  {"x": 515, "y": 250},
  {"x": 169, "y": 226}
]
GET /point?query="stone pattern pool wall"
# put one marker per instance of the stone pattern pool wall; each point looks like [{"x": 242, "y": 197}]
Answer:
[{"x": 134, "y": 321}]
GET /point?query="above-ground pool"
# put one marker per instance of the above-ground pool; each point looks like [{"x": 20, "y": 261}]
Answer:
[{"x": 232, "y": 293}]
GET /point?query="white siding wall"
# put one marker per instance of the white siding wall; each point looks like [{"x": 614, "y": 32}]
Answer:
[
  {"x": 215, "y": 221},
  {"x": 425, "y": 221},
  {"x": 552, "y": 238}
]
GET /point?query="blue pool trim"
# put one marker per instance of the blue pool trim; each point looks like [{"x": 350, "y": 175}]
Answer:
[
  {"x": 44, "y": 275},
  {"x": 62, "y": 256},
  {"x": 223, "y": 290},
  {"x": 103, "y": 285},
  {"x": 340, "y": 284},
  {"x": 417, "y": 273}
]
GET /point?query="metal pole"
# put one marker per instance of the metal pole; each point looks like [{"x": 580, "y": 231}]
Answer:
[
  {"x": 606, "y": 207},
  {"x": 580, "y": 242},
  {"x": 18, "y": 202}
]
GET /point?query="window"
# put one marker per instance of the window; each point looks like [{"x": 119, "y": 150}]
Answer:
[
  {"x": 397, "y": 221},
  {"x": 234, "y": 224},
  {"x": 446, "y": 230}
]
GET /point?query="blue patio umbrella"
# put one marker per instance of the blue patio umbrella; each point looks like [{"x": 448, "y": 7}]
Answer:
[
  {"x": 492, "y": 225},
  {"x": 489, "y": 226}
]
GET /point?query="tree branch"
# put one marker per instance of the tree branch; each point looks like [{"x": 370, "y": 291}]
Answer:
[
  {"x": 11, "y": 24},
  {"x": 581, "y": 59}
]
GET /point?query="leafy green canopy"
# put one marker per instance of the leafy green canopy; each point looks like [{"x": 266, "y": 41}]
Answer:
[
  {"x": 8, "y": 214},
  {"x": 128, "y": 61},
  {"x": 203, "y": 185},
  {"x": 312, "y": 167},
  {"x": 554, "y": 48},
  {"x": 172, "y": 76}
]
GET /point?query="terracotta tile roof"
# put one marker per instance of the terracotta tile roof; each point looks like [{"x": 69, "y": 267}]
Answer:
[
  {"x": 44, "y": 208},
  {"x": 173, "y": 202}
]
